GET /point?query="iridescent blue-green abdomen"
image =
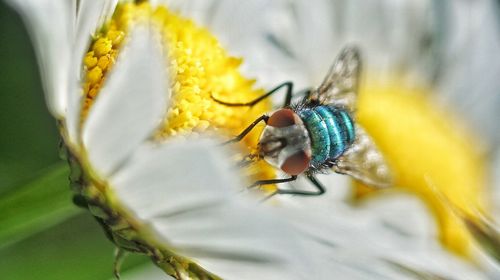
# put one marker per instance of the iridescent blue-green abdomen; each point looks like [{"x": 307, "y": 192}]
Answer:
[{"x": 331, "y": 130}]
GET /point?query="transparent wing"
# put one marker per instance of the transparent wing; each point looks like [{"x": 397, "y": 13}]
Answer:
[
  {"x": 340, "y": 85},
  {"x": 364, "y": 162}
]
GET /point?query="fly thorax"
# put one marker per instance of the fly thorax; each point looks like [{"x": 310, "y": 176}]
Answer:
[{"x": 277, "y": 144}]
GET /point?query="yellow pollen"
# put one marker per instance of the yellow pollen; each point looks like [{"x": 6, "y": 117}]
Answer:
[
  {"x": 199, "y": 68},
  {"x": 94, "y": 76},
  {"x": 90, "y": 60},
  {"x": 99, "y": 60},
  {"x": 428, "y": 153},
  {"x": 102, "y": 46}
]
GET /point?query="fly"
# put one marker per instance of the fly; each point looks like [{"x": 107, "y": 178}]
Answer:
[{"x": 319, "y": 133}]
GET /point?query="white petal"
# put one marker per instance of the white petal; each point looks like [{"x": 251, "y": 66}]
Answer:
[
  {"x": 187, "y": 193},
  {"x": 360, "y": 241},
  {"x": 50, "y": 24},
  {"x": 254, "y": 23},
  {"x": 471, "y": 64},
  {"x": 130, "y": 105},
  {"x": 91, "y": 15}
]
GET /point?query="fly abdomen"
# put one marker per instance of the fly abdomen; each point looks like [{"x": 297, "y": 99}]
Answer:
[
  {"x": 318, "y": 132},
  {"x": 333, "y": 123},
  {"x": 348, "y": 126},
  {"x": 331, "y": 130}
]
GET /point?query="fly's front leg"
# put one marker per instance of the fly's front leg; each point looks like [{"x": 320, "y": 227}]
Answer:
[
  {"x": 273, "y": 181},
  {"x": 248, "y": 129}
]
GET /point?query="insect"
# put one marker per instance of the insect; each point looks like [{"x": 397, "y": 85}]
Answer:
[{"x": 319, "y": 133}]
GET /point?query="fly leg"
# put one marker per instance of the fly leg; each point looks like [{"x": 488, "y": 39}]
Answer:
[
  {"x": 288, "y": 100},
  {"x": 248, "y": 129},
  {"x": 320, "y": 189},
  {"x": 288, "y": 97},
  {"x": 247, "y": 160},
  {"x": 273, "y": 181},
  {"x": 306, "y": 92}
]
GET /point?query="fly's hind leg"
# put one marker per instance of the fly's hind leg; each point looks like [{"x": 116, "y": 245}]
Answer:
[
  {"x": 320, "y": 189},
  {"x": 272, "y": 181}
]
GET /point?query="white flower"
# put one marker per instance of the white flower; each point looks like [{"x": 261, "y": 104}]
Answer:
[
  {"x": 181, "y": 195},
  {"x": 429, "y": 43}
]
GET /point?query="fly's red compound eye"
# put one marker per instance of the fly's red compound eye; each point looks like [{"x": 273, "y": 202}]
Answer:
[
  {"x": 296, "y": 163},
  {"x": 282, "y": 118}
]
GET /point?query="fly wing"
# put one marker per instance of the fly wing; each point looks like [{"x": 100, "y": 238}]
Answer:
[
  {"x": 364, "y": 162},
  {"x": 340, "y": 85}
]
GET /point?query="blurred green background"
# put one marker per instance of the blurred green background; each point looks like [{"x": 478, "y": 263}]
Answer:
[{"x": 42, "y": 234}]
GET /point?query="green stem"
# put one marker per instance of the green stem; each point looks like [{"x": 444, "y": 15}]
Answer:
[{"x": 40, "y": 204}]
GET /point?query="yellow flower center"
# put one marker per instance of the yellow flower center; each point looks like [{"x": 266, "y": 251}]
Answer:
[
  {"x": 200, "y": 68},
  {"x": 429, "y": 154}
]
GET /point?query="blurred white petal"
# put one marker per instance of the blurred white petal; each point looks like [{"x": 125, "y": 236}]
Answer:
[
  {"x": 186, "y": 192},
  {"x": 448, "y": 44},
  {"x": 492, "y": 266},
  {"x": 73, "y": 111},
  {"x": 298, "y": 40},
  {"x": 362, "y": 241},
  {"x": 130, "y": 105},
  {"x": 50, "y": 24},
  {"x": 199, "y": 213},
  {"x": 92, "y": 14},
  {"x": 253, "y": 23},
  {"x": 471, "y": 55}
]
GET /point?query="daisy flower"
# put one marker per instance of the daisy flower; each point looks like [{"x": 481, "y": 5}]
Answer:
[
  {"x": 419, "y": 58},
  {"x": 130, "y": 85},
  {"x": 121, "y": 80}
]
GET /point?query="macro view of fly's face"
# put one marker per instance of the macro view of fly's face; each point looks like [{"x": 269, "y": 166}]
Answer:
[{"x": 285, "y": 143}]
